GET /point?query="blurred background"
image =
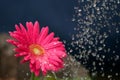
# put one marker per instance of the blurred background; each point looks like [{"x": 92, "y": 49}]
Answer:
[
  {"x": 89, "y": 29},
  {"x": 55, "y": 13}
]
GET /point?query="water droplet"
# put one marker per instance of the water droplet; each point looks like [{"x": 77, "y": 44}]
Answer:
[{"x": 95, "y": 28}]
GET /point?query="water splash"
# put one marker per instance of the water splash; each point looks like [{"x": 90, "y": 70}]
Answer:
[{"x": 96, "y": 40}]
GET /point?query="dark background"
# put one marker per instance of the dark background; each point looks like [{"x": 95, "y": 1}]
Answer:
[{"x": 57, "y": 14}]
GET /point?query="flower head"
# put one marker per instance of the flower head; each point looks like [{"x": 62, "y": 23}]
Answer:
[{"x": 41, "y": 49}]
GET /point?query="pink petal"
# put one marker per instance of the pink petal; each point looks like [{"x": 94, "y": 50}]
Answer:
[
  {"x": 38, "y": 65},
  {"x": 35, "y": 31},
  {"x": 55, "y": 58},
  {"x": 22, "y": 28},
  {"x": 32, "y": 68},
  {"x": 17, "y": 55},
  {"x": 43, "y": 34},
  {"x": 18, "y": 38},
  {"x": 18, "y": 50},
  {"x": 56, "y": 39},
  {"x": 21, "y": 54},
  {"x": 29, "y": 26},
  {"x": 32, "y": 61},
  {"x": 26, "y": 58},
  {"x": 22, "y": 47},
  {"x": 62, "y": 48},
  {"x": 25, "y": 32},
  {"x": 17, "y": 28},
  {"x": 59, "y": 53},
  {"x": 54, "y": 62},
  {"x": 44, "y": 71},
  {"x": 48, "y": 38},
  {"x": 53, "y": 45},
  {"x": 53, "y": 68},
  {"x": 37, "y": 72},
  {"x": 12, "y": 42}
]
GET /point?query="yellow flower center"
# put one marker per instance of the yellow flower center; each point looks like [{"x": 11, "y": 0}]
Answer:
[{"x": 36, "y": 49}]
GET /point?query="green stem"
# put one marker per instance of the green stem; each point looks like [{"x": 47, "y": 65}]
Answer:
[
  {"x": 49, "y": 76},
  {"x": 32, "y": 76}
]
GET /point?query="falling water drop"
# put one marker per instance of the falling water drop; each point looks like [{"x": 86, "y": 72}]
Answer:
[{"x": 97, "y": 36}]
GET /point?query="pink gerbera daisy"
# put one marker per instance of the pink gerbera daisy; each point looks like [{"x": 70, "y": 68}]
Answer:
[{"x": 43, "y": 51}]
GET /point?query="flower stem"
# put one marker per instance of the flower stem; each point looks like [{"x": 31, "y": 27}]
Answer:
[
  {"x": 49, "y": 76},
  {"x": 32, "y": 76}
]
